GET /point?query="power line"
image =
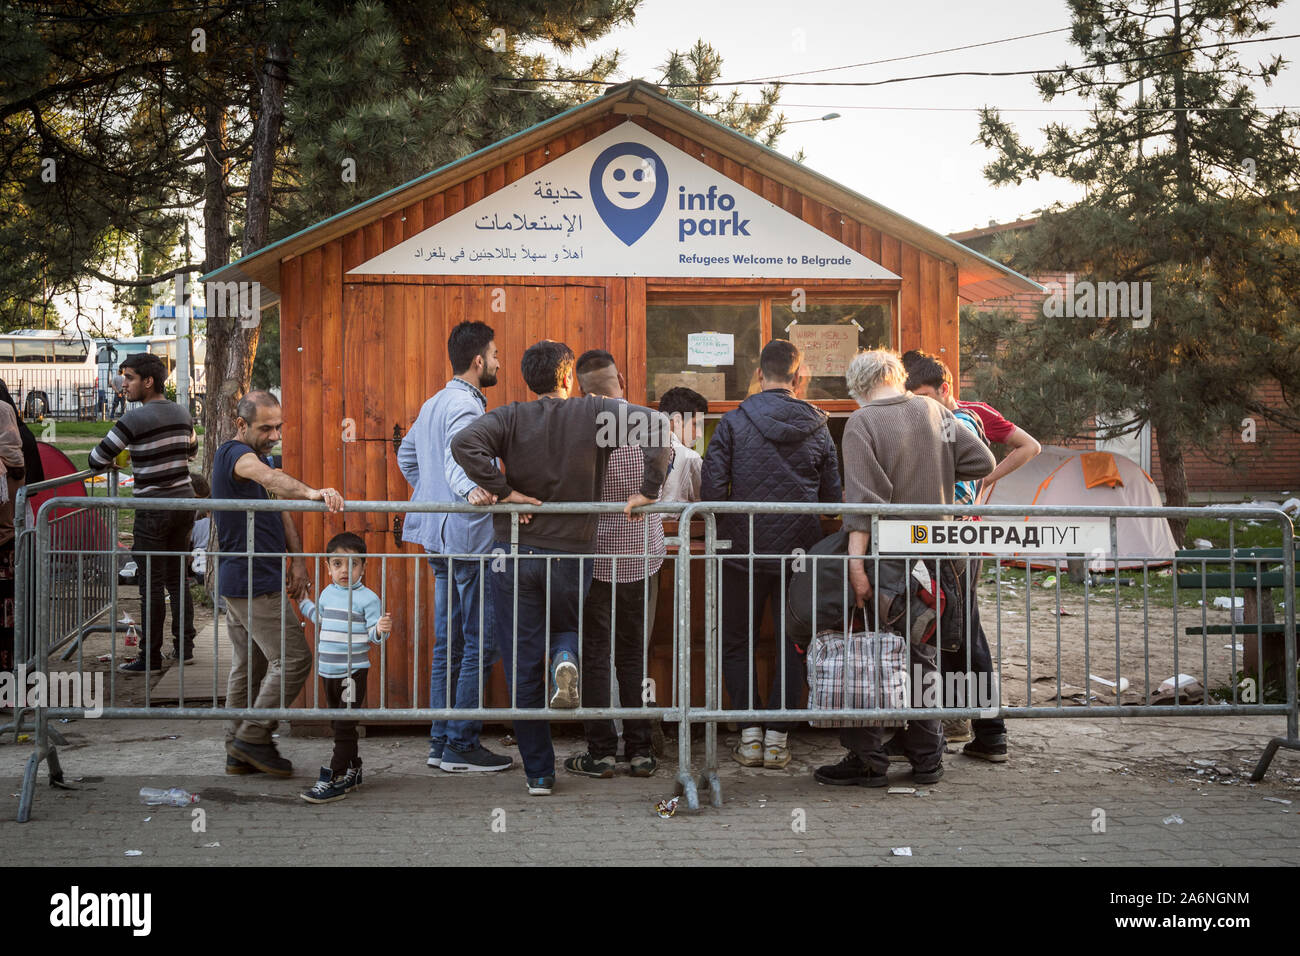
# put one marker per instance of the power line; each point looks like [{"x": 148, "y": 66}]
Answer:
[
  {"x": 970, "y": 109},
  {"x": 918, "y": 56},
  {"x": 1068, "y": 70}
]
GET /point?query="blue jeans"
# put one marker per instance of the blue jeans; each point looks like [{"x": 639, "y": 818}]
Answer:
[
  {"x": 523, "y": 639},
  {"x": 456, "y": 653}
]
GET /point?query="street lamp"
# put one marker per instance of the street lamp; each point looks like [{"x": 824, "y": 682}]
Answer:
[{"x": 815, "y": 119}]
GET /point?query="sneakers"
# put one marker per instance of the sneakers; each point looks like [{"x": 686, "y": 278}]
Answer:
[
  {"x": 477, "y": 759},
  {"x": 850, "y": 772},
  {"x": 175, "y": 653},
  {"x": 327, "y": 789},
  {"x": 435, "y": 752},
  {"x": 958, "y": 731},
  {"x": 140, "y": 666},
  {"x": 776, "y": 754},
  {"x": 994, "y": 750},
  {"x": 540, "y": 786},
  {"x": 585, "y": 765},
  {"x": 237, "y": 768},
  {"x": 643, "y": 766},
  {"x": 749, "y": 752},
  {"x": 262, "y": 756},
  {"x": 933, "y": 775},
  {"x": 350, "y": 780},
  {"x": 564, "y": 676}
]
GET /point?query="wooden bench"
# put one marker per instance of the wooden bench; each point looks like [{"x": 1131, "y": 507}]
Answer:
[{"x": 1256, "y": 582}]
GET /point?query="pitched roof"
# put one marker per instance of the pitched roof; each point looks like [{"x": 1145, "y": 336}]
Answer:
[{"x": 978, "y": 277}]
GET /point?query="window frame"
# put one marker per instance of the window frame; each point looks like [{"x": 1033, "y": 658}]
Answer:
[{"x": 884, "y": 292}]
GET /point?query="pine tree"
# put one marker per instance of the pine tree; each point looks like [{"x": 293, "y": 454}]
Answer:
[{"x": 1190, "y": 187}]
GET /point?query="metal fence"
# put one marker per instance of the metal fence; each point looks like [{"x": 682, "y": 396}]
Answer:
[{"x": 1143, "y": 641}]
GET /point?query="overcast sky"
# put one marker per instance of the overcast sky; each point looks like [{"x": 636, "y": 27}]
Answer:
[{"x": 922, "y": 161}]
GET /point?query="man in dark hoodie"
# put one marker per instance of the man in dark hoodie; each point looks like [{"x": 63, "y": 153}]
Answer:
[{"x": 776, "y": 448}]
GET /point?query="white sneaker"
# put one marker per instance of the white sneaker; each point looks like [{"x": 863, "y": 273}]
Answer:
[
  {"x": 749, "y": 752},
  {"x": 776, "y": 753}
]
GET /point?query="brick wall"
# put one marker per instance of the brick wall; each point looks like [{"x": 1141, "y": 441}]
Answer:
[{"x": 1270, "y": 463}]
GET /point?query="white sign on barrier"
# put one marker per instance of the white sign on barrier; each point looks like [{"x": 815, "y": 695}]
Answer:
[{"x": 1066, "y": 536}]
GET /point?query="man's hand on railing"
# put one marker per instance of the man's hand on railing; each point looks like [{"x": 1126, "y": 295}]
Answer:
[
  {"x": 481, "y": 496},
  {"x": 333, "y": 500},
  {"x": 636, "y": 501},
  {"x": 515, "y": 498}
]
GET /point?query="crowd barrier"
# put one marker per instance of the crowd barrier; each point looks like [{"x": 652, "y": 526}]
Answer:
[{"x": 62, "y": 608}]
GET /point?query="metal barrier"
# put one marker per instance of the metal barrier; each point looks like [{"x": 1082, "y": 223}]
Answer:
[
  {"x": 50, "y": 552},
  {"x": 1243, "y": 688},
  {"x": 51, "y": 632},
  {"x": 83, "y": 590}
]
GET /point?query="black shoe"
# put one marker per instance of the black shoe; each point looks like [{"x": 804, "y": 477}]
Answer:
[
  {"x": 326, "y": 790},
  {"x": 994, "y": 750},
  {"x": 850, "y": 772},
  {"x": 933, "y": 775},
  {"x": 176, "y": 653},
  {"x": 139, "y": 666},
  {"x": 585, "y": 765},
  {"x": 262, "y": 756},
  {"x": 237, "y": 767}
]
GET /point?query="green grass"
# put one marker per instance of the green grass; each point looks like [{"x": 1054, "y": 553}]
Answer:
[
  {"x": 64, "y": 429},
  {"x": 1263, "y": 535}
]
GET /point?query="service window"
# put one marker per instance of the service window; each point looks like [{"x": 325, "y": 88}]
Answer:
[
  {"x": 830, "y": 333},
  {"x": 710, "y": 345},
  {"x": 711, "y": 342}
]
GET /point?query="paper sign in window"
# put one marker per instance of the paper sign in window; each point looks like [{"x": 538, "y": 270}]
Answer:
[
  {"x": 710, "y": 348},
  {"x": 827, "y": 349}
]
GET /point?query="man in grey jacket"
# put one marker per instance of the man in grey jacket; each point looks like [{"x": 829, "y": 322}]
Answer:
[
  {"x": 465, "y": 648},
  {"x": 898, "y": 449}
]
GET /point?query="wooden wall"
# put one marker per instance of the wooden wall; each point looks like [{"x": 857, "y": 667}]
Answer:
[{"x": 360, "y": 355}]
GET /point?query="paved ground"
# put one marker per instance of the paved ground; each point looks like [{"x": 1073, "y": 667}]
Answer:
[{"x": 1042, "y": 808}]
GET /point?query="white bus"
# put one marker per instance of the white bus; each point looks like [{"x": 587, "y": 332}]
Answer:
[{"x": 54, "y": 375}]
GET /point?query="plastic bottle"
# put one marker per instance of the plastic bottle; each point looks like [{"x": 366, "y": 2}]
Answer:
[{"x": 175, "y": 797}]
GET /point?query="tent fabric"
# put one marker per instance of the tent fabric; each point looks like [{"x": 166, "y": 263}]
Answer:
[
  {"x": 1099, "y": 468},
  {"x": 1057, "y": 477}
]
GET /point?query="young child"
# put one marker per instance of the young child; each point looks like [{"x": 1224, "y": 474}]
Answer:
[
  {"x": 685, "y": 409},
  {"x": 342, "y": 656}
]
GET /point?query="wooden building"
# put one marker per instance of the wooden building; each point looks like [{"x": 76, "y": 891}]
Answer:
[{"x": 541, "y": 240}]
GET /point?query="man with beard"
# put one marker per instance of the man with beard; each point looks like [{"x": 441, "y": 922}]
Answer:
[{"x": 465, "y": 647}]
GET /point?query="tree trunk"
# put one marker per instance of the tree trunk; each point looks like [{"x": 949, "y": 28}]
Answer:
[
  {"x": 216, "y": 253},
  {"x": 231, "y": 346},
  {"x": 1175, "y": 476}
]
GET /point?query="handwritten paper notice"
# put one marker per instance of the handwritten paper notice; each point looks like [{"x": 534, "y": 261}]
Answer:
[
  {"x": 710, "y": 348},
  {"x": 827, "y": 349},
  {"x": 712, "y": 385}
]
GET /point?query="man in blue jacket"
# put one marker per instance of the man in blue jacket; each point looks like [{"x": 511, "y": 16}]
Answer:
[
  {"x": 426, "y": 462},
  {"x": 776, "y": 448}
]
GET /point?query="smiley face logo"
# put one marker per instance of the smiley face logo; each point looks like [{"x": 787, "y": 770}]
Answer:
[
  {"x": 628, "y": 186},
  {"x": 629, "y": 181}
]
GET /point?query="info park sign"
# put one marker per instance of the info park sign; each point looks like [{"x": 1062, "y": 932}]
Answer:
[{"x": 627, "y": 203}]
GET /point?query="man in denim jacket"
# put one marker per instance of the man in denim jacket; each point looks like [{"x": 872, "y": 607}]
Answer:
[{"x": 465, "y": 649}]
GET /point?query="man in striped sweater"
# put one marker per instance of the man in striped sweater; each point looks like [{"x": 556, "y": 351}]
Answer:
[{"x": 161, "y": 439}]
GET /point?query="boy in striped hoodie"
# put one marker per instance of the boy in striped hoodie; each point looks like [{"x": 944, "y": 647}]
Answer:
[{"x": 349, "y": 618}]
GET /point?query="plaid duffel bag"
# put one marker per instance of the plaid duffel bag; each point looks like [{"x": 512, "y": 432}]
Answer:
[{"x": 860, "y": 669}]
